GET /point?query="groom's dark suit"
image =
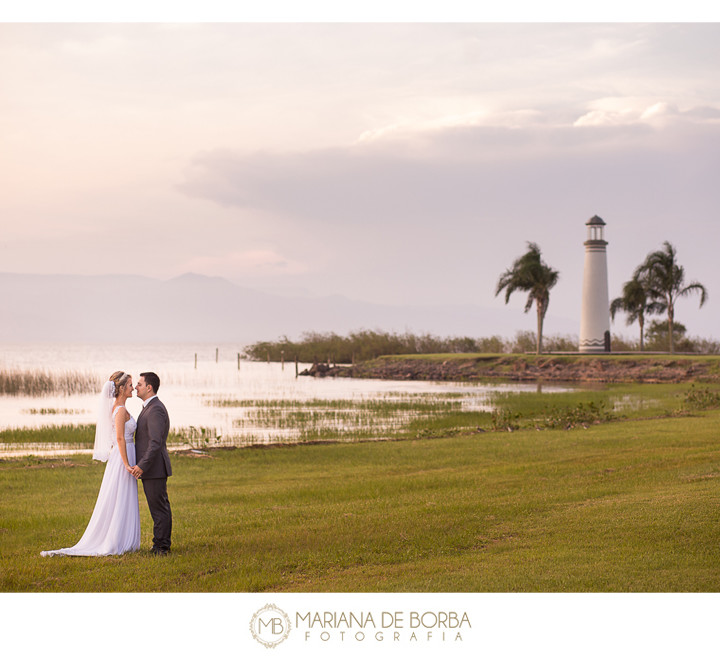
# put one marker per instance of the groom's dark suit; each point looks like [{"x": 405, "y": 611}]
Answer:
[{"x": 153, "y": 425}]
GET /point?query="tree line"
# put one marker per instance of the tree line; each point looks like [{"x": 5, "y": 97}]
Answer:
[
  {"x": 359, "y": 346},
  {"x": 316, "y": 347}
]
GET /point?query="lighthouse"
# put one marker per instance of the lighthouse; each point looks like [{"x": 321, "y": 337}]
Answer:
[{"x": 595, "y": 319}]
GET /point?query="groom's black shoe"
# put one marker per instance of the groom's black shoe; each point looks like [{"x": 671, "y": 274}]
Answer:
[{"x": 160, "y": 551}]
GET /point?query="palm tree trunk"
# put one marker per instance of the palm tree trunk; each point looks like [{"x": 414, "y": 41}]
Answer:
[
  {"x": 641, "y": 320},
  {"x": 671, "y": 318},
  {"x": 540, "y": 317}
]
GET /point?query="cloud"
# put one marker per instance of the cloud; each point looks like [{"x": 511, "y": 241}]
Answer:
[
  {"x": 99, "y": 46},
  {"x": 606, "y": 47},
  {"x": 628, "y": 111},
  {"x": 449, "y": 172},
  {"x": 404, "y": 130},
  {"x": 261, "y": 262}
]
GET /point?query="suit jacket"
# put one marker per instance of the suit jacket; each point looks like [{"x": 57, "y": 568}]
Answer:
[{"x": 153, "y": 425}]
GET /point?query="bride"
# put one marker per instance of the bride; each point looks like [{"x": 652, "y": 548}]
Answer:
[{"x": 114, "y": 527}]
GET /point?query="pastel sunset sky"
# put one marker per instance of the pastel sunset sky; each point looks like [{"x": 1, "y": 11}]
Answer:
[{"x": 390, "y": 162}]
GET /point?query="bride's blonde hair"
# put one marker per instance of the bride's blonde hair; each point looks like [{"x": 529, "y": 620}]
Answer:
[{"x": 119, "y": 378}]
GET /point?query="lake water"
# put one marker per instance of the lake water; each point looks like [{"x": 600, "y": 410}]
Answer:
[{"x": 255, "y": 394}]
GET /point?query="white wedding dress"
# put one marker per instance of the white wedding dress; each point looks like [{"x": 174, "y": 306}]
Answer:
[{"x": 114, "y": 527}]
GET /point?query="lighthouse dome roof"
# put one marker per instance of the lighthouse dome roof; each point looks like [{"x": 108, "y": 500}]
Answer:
[{"x": 595, "y": 221}]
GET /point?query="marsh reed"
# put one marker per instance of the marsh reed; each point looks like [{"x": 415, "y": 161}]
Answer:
[
  {"x": 338, "y": 419},
  {"x": 79, "y": 435},
  {"x": 38, "y": 383}
]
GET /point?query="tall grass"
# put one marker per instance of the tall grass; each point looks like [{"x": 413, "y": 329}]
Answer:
[
  {"x": 323, "y": 420},
  {"x": 621, "y": 400},
  {"x": 431, "y": 401},
  {"x": 79, "y": 435},
  {"x": 37, "y": 383},
  {"x": 428, "y": 415},
  {"x": 52, "y": 411}
]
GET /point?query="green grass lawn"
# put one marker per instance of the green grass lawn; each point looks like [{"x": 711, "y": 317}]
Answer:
[{"x": 626, "y": 506}]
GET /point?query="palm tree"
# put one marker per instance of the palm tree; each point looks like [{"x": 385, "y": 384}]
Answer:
[
  {"x": 635, "y": 303},
  {"x": 530, "y": 274},
  {"x": 665, "y": 281}
]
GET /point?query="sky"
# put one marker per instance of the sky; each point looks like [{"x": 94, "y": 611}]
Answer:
[{"x": 397, "y": 163}]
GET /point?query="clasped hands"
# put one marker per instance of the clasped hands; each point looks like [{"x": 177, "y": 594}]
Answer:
[{"x": 135, "y": 471}]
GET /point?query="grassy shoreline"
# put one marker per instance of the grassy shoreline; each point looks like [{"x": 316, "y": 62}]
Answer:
[
  {"x": 604, "y": 368},
  {"x": 622, "y": 507},
  {"x": 425, "y": 415}
]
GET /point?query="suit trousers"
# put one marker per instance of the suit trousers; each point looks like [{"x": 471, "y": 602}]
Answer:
[{"x": 157, "y": 499}]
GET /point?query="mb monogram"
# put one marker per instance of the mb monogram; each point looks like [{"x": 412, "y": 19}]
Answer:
[{"x": 270, "y": 626}]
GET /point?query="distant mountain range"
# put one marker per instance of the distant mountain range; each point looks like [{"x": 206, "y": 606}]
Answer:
[{"x": 196, "y": 308}]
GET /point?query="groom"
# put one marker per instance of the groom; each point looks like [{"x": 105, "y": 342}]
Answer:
[{"x": 153, "y": 461}]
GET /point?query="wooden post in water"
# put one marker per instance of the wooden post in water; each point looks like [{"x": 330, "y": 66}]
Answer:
[
  {"x": 296, "y": 366},
  {"x": 268, "y": 356},
  {"x": 238, "y": 360},
  {"x": 282, "y": 359},
  {"x": 217, "y": 354},
  {"x": 195, "y": 360}
]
